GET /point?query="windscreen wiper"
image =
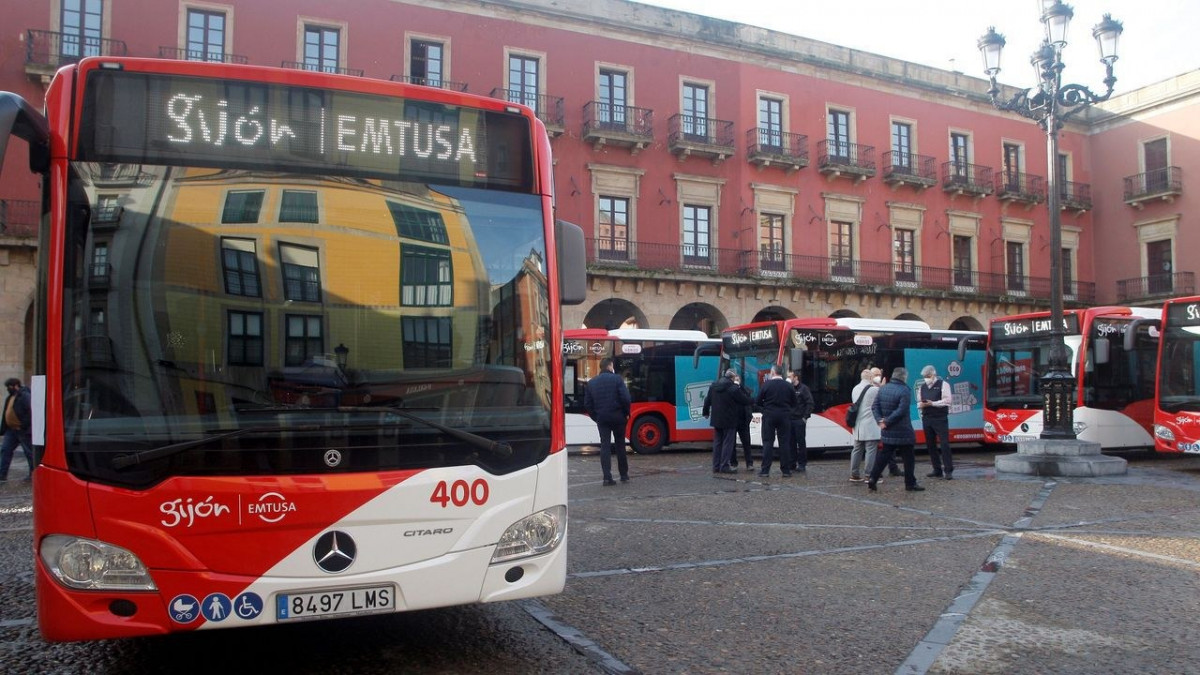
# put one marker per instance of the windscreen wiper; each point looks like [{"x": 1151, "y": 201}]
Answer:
[
  {"x": 498, "y": 448},
  {"x": 136, "y": 458}
]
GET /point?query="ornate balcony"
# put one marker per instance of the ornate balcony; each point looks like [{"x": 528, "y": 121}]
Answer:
[
  {"x": 1165, "y": 184},
  {"x": 549, "y": 109},
  {"x": 766, "y": 147},
  {"x": 703, "y": 136},
  {"x": 333, "y": 70},
  {"x": 47, "y": 51},
  {"x": 1074, "y": 196},
  {"x": 838, "y": 158},
  {"x": 1015, "y": 186},
  {"x": 1157, "y": 287},
  {"x": 904, "y": 168},
  {"x": 961, "y": 178},
  {"x": 197, "y": 55},
  {"x": 622, "y": 126},
  {"x": 434, "y": 82}
]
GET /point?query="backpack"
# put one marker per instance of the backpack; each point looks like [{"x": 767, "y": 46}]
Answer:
[{"x": 852, "y": 411}]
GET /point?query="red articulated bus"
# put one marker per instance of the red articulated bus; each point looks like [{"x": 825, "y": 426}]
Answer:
[
  {"x": 299, "y": 348},
  {"x": 1177, "y": 392}
]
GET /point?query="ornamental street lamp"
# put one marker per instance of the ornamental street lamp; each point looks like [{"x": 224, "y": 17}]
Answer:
[{"x": 1051, "y": 103}]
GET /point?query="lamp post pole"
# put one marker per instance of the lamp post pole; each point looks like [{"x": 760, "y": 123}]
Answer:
[{"x": 1051, "y": 104}]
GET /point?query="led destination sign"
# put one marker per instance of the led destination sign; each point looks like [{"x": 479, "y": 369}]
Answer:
[
  {"x": 750, "y": 339},
  {"x": 190, "y": 121},
  {"x": 1025, "y": 328},
  {"x": 1184, "y": 314}
]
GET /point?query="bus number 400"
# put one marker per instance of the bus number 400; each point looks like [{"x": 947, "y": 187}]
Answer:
[{"x": 459, "y": 493}]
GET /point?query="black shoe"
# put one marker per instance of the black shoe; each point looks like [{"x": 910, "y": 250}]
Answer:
[
  {"x": 801, "y": 469},
  {"x": 749, "y": 465},
  {"x": 733, "y": 464},
  {"x": 895, "y": 474},
  {"x": 949, "y": 476},
  {"x": 787, "y": 474},
  {"x": 624, "y": 479},
  {"x": 914, "y": 488},
  {"x": 609, "y": 481},
  {"x": 728, "y": 470},
  {"x": 934, "y": 474},
  {"x": 763, "y": 474},
  {"x": 871, "y": 486}
]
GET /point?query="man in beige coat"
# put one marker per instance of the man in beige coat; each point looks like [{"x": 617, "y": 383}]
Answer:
[{"x": 866, "y": 429}]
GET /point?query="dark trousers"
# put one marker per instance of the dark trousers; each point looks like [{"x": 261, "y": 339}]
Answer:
[
  {"x": 799, "y": 443},
  {"x": 743, "y": 434},
  {"x": 13, "y": 438},
  {"x": 612, "y": 435},
  {"x": 937, "y": 443},
  {"x": 887, "y": 455},
  {"x": 722, "y": 448},
  {"x": 777, "y": 427}
]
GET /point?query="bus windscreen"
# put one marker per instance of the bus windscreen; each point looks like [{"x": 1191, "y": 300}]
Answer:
[{"x": 176, "y": 120}]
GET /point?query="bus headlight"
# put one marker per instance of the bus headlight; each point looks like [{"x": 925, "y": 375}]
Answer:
[
  {"x": 1164, "y": 433},
  {"x": 532, "y": 535},
  {"x": 1080, "y": 427},
  {"x": 92, "y": 565},
  {"x": 989, "y": 428}
]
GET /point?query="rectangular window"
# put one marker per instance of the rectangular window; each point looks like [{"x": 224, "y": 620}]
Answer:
[
  {"x": 81, "y": 27},
  {"x": 205, "y": 36},
  {"x": 415, "y": 223},
  {"x": 770, "y": 123},
  {"x": 901, "y": 148},
  {"x": 240, "y": 261},
  {"x": 613, "y": 99},
  {"x": 303, "y": 340},
  {"x": 770, "y": 241},
  {"x": 245, "y": 338},
  {"x": 696, "y": 235},
  {"x": 1063, "y": 176},
  {"x": 905, "y": 254},
  {"x": 1158, "y": 260},
  {"x": 1015, "y": 259},
  {"x": 613, "y": 226},
  {"x": 964, "y": 275},
  {"x": 838, "y": 135},
  {"x": 298, "y": 206},
  {"x": 960, "y": 157},
  {"x": 523, "y": 76},
  {"x": 695, "y": 112},
  {"x": 100, "y": 269},
  {"x": 321, "y": 49},
  {"x": 428, "y": 341},
  {"x": 107, "y": 209},
  {"x": 426, "y": 278},
  {"x": 1068, "y": 281},
  {"x": 301, "y": 273},
  {"x": 841, "y": 249},
  {"x": 242, "y": 206},
  {"x": 1154, "y": 159},
  {"x": 426, "y": 64},
  {"x": 1012, "y": 167}
]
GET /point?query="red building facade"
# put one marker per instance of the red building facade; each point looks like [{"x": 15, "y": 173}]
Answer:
[{"x": 723, "y": 173}]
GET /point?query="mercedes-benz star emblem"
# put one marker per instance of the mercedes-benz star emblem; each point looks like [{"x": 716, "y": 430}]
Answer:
[
  {"x": 334, "y": 552},
  {"x": 332, "y": 457}
]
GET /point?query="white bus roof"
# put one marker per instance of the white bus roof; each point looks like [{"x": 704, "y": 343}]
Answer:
[
  {"x": 659, "y": 335},
  {"x": 882, "y": 324}
]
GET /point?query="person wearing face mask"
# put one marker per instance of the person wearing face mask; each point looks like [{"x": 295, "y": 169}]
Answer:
[{"x": 933, "y": 401}]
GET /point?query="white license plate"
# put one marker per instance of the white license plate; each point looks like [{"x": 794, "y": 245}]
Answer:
[
  {"x": 1013, "y": 438},
  {"x": 339, "y": 602}
]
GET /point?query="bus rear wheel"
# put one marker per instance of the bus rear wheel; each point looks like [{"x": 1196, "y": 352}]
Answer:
[{"x": 649, "y": 435}]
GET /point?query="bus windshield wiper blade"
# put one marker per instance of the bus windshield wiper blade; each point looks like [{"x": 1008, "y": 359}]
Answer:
[
  {"x": 499, "y": 448},
  {"x": 136, "y": 458}
]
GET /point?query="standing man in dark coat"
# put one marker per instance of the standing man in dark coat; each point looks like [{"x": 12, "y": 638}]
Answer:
[
  {"x": 891, "y": 408},
  {"x": 934, "y": 404},
  {"x": 607, "y": 401},
  {"x": 799, "y": 429},
  {"x": 723, "y": 407},
  {"x": 775, "y": 401},
  {"x": 16, "y": 426},
  {"x": 743, "y": 431}
]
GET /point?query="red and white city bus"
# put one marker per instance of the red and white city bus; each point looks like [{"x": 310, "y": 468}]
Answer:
[
  {"x": 831, "y": 354},
  {"x": 1114, "y": 374},
  {"x": 668, "y": 373},
  {"x": 1177, "y": 393},
  {"x": 299, "y": 348}
]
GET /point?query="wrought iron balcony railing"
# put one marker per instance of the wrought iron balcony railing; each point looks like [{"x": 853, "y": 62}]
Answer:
[
  {"x": 435, "y": 82},
  {"x": 767, "y": 147},
  {"x": 1020, "y": 187},
  {"x": 180, "y": 54},
  {"x": 1165, "y": 183},
  {"x": 909, "y": 169},
  {"x": 1075, "y": 196},
  {"x": 606, "y": 123},
  {"x": 549, "y": 109},
  {"x": 1156, "y": 286},
  {"x": 692, "y": 135},
  {"x": 965, "y": 178},
  {"x": 333, "y": 70},
  {"x": 864, "y": 275},
  {"x": 53, "y": 49},
  {"x": 840, "y": 157}
]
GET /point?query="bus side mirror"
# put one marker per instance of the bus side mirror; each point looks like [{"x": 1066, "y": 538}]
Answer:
[
  {"x": 962, "y": 349},
  {"x": 1103, "y": 350},
  {"x": 795, "y": 358},
  {"x": 1132, "y": 331},
  {"x": 572, "y": 263},
  {"x": 18, "y": 118}
]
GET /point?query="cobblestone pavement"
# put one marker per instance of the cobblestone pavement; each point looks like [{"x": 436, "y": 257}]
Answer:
[{"x": 680, "y": 571}]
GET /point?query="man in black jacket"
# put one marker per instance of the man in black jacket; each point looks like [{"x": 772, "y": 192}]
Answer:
[
  {"x": 723, "y": 408},
  {"x": 16, "y": 425},
  {"x": 775, "y": 401},
  {"x": 743, "y": 431},
  {"x": 607, "y": 401},
  {"x": 800, "y": 414}
]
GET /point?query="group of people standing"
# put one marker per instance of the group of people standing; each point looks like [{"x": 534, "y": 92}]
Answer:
[{"x": 785, "y": 404}]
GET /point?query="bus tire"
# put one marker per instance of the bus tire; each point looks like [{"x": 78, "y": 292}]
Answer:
[{"x": 648, "y": 436}]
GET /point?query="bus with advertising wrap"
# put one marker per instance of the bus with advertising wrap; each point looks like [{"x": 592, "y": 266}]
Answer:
[
  {"x": 667, "y": 372},
  {"x": 298, "y": 348},
  {"x": 1114, "y": 375},
  {"x": 1177, "y": 395},
  {"x": 831, "y": 354}
]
